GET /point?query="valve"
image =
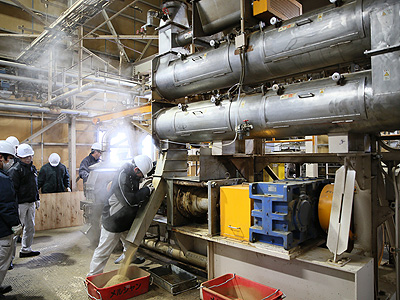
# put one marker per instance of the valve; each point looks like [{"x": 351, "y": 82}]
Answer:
[
  {"x": 182, "y": 56},
  {"x": 216, "y": 99},
  {"x": 338, "y": 78},
  {"x": 215, "y": 44},
  {"x": 182, "y": 107},
  {"x": 336, "y": 2},
  {"x": 278, "y": 89},
  {"x": 244, "y": 129},
  {"x": 274, "y": 21}
]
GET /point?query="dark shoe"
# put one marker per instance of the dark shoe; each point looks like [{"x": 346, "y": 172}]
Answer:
[
  {"x": 4, "y": 289},
  {"x": 138, "y": 260},
  {"x": 28, "y": 254},
  {"x": 11, "y": 266}
]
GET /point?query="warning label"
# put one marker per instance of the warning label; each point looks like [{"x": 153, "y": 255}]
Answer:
[{"x": 386, "y": 75}]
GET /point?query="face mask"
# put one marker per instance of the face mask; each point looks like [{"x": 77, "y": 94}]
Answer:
[{"x": 8, "y": 165}]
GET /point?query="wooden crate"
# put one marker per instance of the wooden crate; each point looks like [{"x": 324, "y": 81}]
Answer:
[{"x": 59, "y": 210}]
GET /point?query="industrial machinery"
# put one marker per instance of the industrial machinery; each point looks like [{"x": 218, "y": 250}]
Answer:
[
  {"x": 285, "y": 212},
  {"x": 224, "y": 82}
]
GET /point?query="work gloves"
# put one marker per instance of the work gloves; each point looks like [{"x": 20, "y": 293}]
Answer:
[
  {"x": 17, "y": 229},
  {"x": 151, "y": 187}
]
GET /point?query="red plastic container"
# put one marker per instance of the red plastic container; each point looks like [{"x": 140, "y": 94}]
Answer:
[
  {"x": 231, "y": 286},
  {"x": 139, "y": 284}
]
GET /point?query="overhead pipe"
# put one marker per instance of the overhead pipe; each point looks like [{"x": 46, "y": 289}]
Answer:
[
  {"x": 47, "y": 110},
  {"x": 123, "y": 82},
  {"x": 92, "y": 86},
  {"x": 328, "y": 37},
  {"x": 309, "y": 108}
]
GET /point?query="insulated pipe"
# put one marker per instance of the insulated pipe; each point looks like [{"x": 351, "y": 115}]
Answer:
[
  {"x": 171, "y": 251},
  {"x": 36, "y": 109},
  {"x": 309, "y": 108},
  {"x": 315, "y": 40}
]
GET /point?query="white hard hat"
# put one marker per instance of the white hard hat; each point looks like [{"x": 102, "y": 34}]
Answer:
[
  {"x": 13, "y": 141},
  {"x": 24, "y": 150},
  {"x": 144, "y": 163},
  {"x": 54, "y": 159},
  {"x": 97, "y": 146},
  {"x": 7, "y": 148}
]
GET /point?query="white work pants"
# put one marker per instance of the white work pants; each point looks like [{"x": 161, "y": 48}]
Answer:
[
  {"x": 6, "y": 252},
  {"x": 108, "y": 241},
  {"x": 27, "y": 217}
]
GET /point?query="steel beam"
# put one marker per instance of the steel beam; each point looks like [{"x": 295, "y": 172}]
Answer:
[{"x": 115, "y": 35}]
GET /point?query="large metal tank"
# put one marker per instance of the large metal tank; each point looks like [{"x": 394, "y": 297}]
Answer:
[
  {"x": 315, "y": 107},
  {"x": 333, "y": 35}
]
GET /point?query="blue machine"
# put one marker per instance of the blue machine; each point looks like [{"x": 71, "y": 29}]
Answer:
[{"x": 285, "y": 211}]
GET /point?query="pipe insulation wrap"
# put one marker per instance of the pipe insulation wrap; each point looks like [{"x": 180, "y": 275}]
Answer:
[
  {"x": 314, "y": 40},
  {"x": 309, "y": 108}
]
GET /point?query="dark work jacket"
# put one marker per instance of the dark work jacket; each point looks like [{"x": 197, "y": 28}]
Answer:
[
  {"x": 126, "y": 182},
  {"x": 24, "y": 178},
  {"x": 8, "y": 206},
  {"x": 84, "y": 166},
  {"x": 53, "y": 179}
]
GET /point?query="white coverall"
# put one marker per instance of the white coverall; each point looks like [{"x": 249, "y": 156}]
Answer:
[{"x": 107, "y": 243}]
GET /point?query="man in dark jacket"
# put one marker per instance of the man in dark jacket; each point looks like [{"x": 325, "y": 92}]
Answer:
[
  {"x": 91, "y": 159},
  {"x": 9, "y": 220},
  {"x": 53, "y": 176},
  {"x": 24, "y": 177},
  {"x": 121, "y": 208}
]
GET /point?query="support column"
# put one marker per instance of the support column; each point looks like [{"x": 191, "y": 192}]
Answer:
[{"x": 72, "y": 151}]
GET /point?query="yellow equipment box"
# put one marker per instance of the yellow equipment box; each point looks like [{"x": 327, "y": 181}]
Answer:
[{"x": 235, "y": 211}]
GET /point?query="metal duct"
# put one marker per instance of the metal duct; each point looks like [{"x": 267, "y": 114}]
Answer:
[
  {"x": 315, "y": 40},
  {"x": 216, "y": 16},
  {"x": 310, "y": 108}
]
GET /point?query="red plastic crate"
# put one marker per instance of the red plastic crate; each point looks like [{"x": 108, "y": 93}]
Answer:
[
  {"x": 139, "y": 284},
  {"x": 231, "y": 286}
]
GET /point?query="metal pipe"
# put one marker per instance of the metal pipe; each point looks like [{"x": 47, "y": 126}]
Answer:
[
  {"x": 32, "y": 109},
  {"x": 315, "y": 40},
  {"x": 69, "y": 74},
  {"x": 171, "y": 251},
  {"x": 92, "y": 86},
  {"x": 309, "y": 108}
]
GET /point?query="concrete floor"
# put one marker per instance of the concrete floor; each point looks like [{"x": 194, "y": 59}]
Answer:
[{"x": 60, "y": 271}]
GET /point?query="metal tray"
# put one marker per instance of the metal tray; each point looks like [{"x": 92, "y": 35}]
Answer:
[{"x": 173, "y": 279}]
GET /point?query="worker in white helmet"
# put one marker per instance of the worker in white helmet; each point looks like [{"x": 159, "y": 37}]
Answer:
[
  {"x": 10, "y": 224},
  {"x": 91, "y": 159},
  {"x": 125, "y": 199},
  {"x": 53, "y": 176},
  {"x": 15, "y": 142},
  {"x": 24, "y": 177}
]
